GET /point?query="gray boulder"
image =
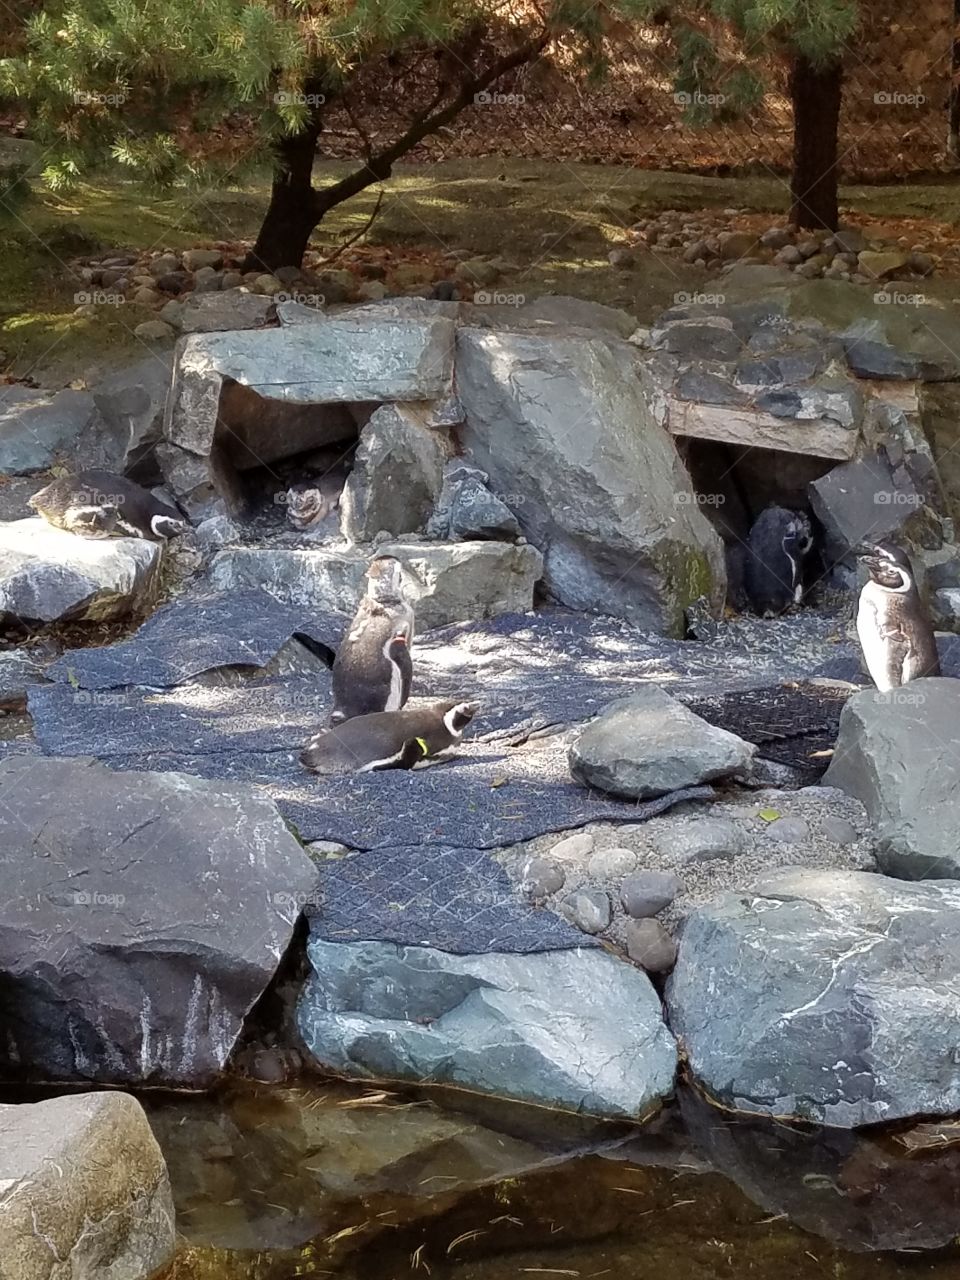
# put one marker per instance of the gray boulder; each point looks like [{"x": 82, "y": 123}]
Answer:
[
  {"x": 559, "y": 417},
  {"x": 38, "y": 427},
  {"x": 898, "y": 753},
  {"x": 48, "y": 575},
  {"x": 230, "y": 310},
  {"x": 862, "y": 500},
  {"x": 84, "y": 1191},
  {"x": 150, "y": 914},
  {"x": 329, "y": 581},
  {"x": 828, "y": 996},
  {"x": 647, "y": 745},
  {"x": 463, "y": 581},
  {"x": 575, "y": 1030},
  {"x": 467, "y": 509},
  {"x": 130, "y": 406},
  {"x": 396, "y": 478}
]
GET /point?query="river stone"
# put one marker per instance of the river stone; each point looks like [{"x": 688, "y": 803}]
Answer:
[
  {"x": 121, "y": 956},
  {"x": 828, "y": 996},
  {"x": 396, "y": 477},
  {"x": 575, "y": 1030},
  {"x": 837, "y": 830},
  {"x": 588, "y": 909},
  {"x": 541, "y": 877},
  {"x": 561, "y": 418},
  {"x": 648, "y": 744},
  {"x": 611, "y": 864},
  {"x": 700, "y": 839},
  {"x": 898, "y": 753},
  {"x": 647, "y": 893},
  {"x": 575, "y": 848},
  {"x": 37, "y": 427},
  {"x": 196, "y": 259},
  {"x": 650, "y": 945},
  {"x": 788, "y": 830},
  {"x": 83, "y": 1181},
  {"x": 49, "y": 575}
]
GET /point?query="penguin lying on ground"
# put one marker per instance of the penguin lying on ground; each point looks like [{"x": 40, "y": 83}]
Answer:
[
  {"x": 895, "y": 631},
  {"x": 309, "y": 502},
  {"x": 388, "y": 739},
  {"x": 373, "y": 669},
  {"x": 778, "y": 543},
  {"x": 99, "y": 504}
]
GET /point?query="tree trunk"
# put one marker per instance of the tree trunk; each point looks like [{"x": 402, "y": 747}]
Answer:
[
  {"x": 953, "y": 136},
  {"x": 816, "y": 93},
  {"x": 292, "y": 214}
]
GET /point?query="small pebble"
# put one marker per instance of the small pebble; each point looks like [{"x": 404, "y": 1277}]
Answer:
[
  {"x": 574, "y": 849},
  {"x": 588, "y": 909},
  {"x": 650, "y": 946},
  {"x": 648, "y": 892},
  {"x": 839, "y": 830},
  {"x": 541, "y": 877},
  {"x": 699, "y": 840},
  {"x": 788, "y": 830},
  {"x": 611, "y": 864}
]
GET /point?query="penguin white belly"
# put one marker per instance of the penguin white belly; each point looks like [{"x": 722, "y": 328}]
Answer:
[
  {"x": 395, "y": 695},
  {"x": 875, "y": 646}
]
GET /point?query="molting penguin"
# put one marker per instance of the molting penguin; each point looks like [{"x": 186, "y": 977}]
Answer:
[
  {"x": 373, "y": 669},
  {"x": 896, "y": 634},
  {"x": 778, "y": 543},
  {"x": 388, "y": 739},
  {"x": 309, "y": 502},
  {"x": 99, "y": 504}
]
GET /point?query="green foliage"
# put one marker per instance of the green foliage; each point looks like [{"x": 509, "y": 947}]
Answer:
[
  {"x": 180, "y": 88},
  {"x": 817, "y": 29}
]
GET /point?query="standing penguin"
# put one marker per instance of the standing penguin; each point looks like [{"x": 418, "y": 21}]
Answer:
[
  {"x": 895, "y": 632},
  {"x": 373, "y": 669},
  {"x": 388, "y": 739},
  {"x": 778, "y": 543},
  {"x": 99, "y": 504}
]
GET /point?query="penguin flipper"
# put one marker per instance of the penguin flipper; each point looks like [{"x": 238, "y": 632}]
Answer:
[{"x": 411, "y": 753}]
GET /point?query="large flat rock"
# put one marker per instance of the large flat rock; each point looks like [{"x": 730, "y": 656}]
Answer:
[
  {"x": 576, "y": 1030},
  {"x": 899, "y": 754},
  {"x": 560, "y": 423},
  {"x": 827, "y": 996},
  {"x": 818, "y": 437},
  {"x": 121, "y": 955},
  {"x": 84, "y": 1191},
  {"x": 48, "y": 575},
  {"x": 37, "y": 428}
]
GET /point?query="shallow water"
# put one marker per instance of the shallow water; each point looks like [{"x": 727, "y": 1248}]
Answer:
[{"x": 329, "y": 1180}]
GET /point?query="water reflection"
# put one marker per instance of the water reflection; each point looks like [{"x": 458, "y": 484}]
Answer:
[{"x": 273, "y": 1183}]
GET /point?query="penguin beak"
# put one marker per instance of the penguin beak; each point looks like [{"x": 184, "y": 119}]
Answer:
[{"x": 399, "y": 638}]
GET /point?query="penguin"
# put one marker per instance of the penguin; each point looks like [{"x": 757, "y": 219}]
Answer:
[
  {"x": 388, "y": 739},
  {"x": 99, "y": 504},
  {"x": 373, "y": 670},
  {"x": 777, "y": 545},
  {"x": 309, "y": 502},
  {"x": 895, "y": 631}
]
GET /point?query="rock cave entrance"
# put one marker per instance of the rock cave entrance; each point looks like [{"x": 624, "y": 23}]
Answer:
[
  {"x": 735, "y": 483},
  {"x": 263, "y": 448}
]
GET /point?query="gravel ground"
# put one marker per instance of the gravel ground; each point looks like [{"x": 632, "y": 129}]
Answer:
[{"x": 688, "y": 841}]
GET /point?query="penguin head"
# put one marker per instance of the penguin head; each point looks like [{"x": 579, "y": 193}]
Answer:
[
  {"x": 888, "y": 565},
  {"x": 385, "y": 578},
  {"x": 166, "y": 527},
  {"x": 457, "y": 715},
  {"x": 396, "y": 645},
  {"x": 797, "y": 537}
]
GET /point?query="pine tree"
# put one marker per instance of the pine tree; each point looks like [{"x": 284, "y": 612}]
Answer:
[
  {"x": 812, "y": 35},
  {"x": 166, "y": 88}
]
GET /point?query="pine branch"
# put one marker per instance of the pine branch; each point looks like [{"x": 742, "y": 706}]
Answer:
[{"x": 380, "y": 166}]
